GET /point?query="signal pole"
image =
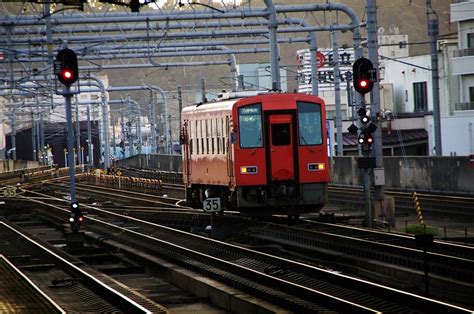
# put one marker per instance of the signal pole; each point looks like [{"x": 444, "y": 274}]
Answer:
[
  {"x": 70, "y": 142},
  {"x": 375, "y": 101},
  {"x": 67, "y": 71}
]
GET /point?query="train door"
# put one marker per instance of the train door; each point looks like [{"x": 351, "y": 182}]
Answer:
[
  {"x": 281, "y": 147},
  {"x": 229, "y": 148},
  {"x": 187, "y": 142}
]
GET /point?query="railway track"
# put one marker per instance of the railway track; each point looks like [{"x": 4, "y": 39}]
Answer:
[
  {"x": 367, "y": 252},
  {"x": 380, "y": 252},
  {"x": 120, "y": 195},
  {"x": 361, "y": 250},
  {"x": 353, "y": 197},
  {"x": 293, "y": 285},
  {"x": 72, "y": 288},
  {"x": 33, "y": 176},
  {"x": 445, "y": 258}
]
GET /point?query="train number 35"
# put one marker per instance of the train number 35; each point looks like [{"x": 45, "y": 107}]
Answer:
[{"x": 212, "y": 204}]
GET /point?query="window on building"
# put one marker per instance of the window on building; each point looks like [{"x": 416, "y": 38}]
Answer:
[
  {"x": 470, "y": 40},
  {"x": 420, "y": 96}
]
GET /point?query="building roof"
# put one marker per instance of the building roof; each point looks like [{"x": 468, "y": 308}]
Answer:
[{"x": 391, "y": 138}]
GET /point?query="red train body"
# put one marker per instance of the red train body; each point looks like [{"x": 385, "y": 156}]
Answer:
[{"x": 263, "y": 154}]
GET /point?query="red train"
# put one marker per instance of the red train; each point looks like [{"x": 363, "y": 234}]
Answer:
[{"x": 262, "y": 154}]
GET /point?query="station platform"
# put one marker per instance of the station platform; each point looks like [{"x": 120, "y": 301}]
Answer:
[{"x": 19, "y": 295}]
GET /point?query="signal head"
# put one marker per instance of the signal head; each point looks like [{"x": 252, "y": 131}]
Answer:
[
  {"x": 369, "y": 139},
  {"x": 365, "y": 138},
  {"x": 352, "y": 129},
  {"x": 371, "y": 127},
  {"x": 364, "y": 118},
  {"x": 363, "y": 75},
  {"x": 68, "y": 71}
]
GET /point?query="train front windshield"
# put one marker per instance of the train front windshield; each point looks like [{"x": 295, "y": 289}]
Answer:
[
  {"x": 310, "y": 124},
  {"x": 250, "y": 126}
]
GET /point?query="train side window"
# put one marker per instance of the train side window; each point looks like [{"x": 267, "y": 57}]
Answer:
[
  {"x": 191, "y": 146},
  {"x": 310, "y": 124},
  {"x": 218, "y": 140},
  {"x": 196, "y": 130},
  {"x": 223, "y": 126},
  {"x": 212, "y": 145},
  {"x": 250, "y": 126},
  {"x": 197, "y": 146},
  {"x": 281, "y": 134},
  {"x": 223, "y": 145}
]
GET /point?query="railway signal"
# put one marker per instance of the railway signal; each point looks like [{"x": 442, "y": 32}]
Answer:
[
  {"x": 66, "y": 67},
  {"x": 365, "y": 137},
  {"x": 76, "y": 218},
  {"x": 363, "y": 75}
]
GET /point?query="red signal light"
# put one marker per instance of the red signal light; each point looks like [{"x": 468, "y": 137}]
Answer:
[
  {"x": 364, "y": 75},
  {"x": 67, "y": 74},
  {"x": 66, "y": 66}
]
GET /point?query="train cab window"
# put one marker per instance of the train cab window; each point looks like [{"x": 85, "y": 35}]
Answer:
[
  {"x": 250, "y": 126},
  {"x": 310, "y": 124},
  {"x": 281, "y": 134}
]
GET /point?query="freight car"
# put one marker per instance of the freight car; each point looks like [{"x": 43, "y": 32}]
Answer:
[{"x": 261, "y": 155}]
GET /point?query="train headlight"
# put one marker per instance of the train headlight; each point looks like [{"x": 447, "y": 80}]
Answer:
[
  {"x": 316, "y": 167},
  {"x": 248, "y": 170}
]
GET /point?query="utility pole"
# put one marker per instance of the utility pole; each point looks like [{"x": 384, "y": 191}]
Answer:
[
  {"x": 180, "y": 105},
  {"x": 89, "y": 138},
  {"x": 377, "y": 151},
  {"x": 433, "y": 34},
  {"x": 337, "y": 93},
  {"x": 66, "y": 68},
  {"x": 70, "y": 141}
]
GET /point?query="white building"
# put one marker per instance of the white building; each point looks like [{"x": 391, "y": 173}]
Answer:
[
  {"x": 463, "y": 68},
  {"x": 257, "y": 76},
  {"x": 406, "y": 96}
]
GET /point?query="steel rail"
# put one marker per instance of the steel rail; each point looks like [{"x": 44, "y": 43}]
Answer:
[
  {"x": 448, "y": 266},
  {"x": 123, "y": 194},
  {"x": 113, "y": 296}
]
